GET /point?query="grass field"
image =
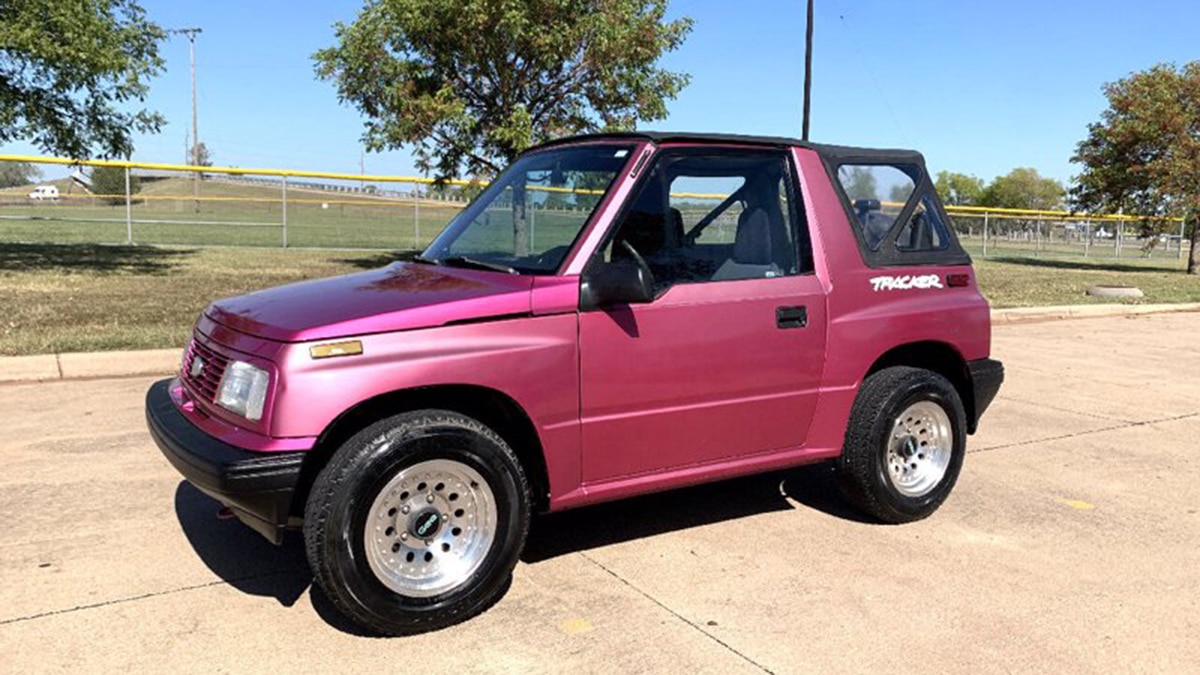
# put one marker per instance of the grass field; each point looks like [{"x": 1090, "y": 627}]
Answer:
[
  {"x": 228, "y": 214},
  {"x": 88, "y": 297}
]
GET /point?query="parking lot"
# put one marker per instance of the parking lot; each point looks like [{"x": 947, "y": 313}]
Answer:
[{"x": 1069, "y": 545}]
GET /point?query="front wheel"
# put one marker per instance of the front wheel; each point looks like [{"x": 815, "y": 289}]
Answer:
[
  {"x": 417, "y": 522},
  {"x": 904, "y": 444}
]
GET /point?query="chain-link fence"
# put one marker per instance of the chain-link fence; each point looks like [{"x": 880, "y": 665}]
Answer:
[
  {"x": 138, "y": 203},
  {"x": 1016, "y": 233},
  {"x": 133, "y": 203}
]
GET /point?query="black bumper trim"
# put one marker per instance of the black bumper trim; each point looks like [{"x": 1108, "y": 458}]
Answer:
[
  {"x": 258, "y": 486},
  {"x": 986, "y": 377}
]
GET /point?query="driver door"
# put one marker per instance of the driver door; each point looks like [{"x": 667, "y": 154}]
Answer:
[{"x": 727, "y": 360}]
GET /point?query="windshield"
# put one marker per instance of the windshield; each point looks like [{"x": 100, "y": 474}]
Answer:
[{"x": 527, "y": 219}]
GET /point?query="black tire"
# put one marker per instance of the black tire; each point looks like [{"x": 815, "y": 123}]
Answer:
[
  {"x": 862, "y": 468},
  {"x": 337, "y": 509}
]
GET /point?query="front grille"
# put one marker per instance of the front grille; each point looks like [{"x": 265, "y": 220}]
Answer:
[{"x": 204, "y": 384}]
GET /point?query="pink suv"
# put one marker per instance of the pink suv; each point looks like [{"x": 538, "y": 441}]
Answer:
[{"x": 614, "y": 315}]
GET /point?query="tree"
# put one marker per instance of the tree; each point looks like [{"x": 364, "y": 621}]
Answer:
[
  {"x": 200, "y": 156},
  {"x": 69, "y": 72},
  {"x": 108, "y": 182},
  {"x": 1143, "y": 156},
  {"x": 15, "y": 174},
  {"x": 1023, "y": 189},
  {"x": 859, "y": 183},
  {"x": 473, "y": 83},
  {"x": 958, "y": 189}
]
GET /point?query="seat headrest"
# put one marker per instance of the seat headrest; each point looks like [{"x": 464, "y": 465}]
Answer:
[{"x": 752, "y": 245}]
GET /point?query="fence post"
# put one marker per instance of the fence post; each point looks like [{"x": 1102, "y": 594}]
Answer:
[
  {"x": 1037, "y": 236},
  {"x": 1120, "y": 236},
  {"x": 985, "y": 233},
  {"x": 1087, "y": 236},
  {"x": 416, "y": 216},
  {"x": 128, "y": 211},
  {"x": 284, "y": 204}
]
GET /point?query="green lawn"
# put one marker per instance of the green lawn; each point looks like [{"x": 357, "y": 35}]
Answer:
[{"x": 86, "y": 297}]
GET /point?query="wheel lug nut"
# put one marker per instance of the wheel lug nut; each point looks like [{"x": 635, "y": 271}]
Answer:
[
  {"x": 404, "y": 510},
  {"x": 429, "y": 498},
  {"x": 404, "y": 535},
  {"x": 445, "y": 516}
]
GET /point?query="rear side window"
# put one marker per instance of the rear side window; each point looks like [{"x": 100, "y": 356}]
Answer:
[{"x": 877, "y": 194}]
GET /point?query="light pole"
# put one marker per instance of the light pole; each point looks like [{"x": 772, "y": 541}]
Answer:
[
  {"x": 191, "y": 34},
  {"x": 808, "y": 39}
]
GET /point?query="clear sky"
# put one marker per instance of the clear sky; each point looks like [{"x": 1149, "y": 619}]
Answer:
[{"x": 978, "y": 86}]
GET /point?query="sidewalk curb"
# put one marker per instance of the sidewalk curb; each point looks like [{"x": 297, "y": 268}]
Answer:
[
  {"x": 147, "y": 362},
  {"x": 1040, "y": 314}
]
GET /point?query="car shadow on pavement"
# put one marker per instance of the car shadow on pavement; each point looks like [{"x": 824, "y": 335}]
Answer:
[
  {"x": 557, "y": 534},
  {"x": 237, "y": 554}
]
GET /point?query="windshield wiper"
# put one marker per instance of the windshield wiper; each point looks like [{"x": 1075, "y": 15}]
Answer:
[
  {"x": 464, "y": 261},
  {"x": 423, "y": 260}
]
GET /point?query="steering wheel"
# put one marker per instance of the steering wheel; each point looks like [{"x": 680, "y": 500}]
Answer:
[{"x": 637, "y": 257}]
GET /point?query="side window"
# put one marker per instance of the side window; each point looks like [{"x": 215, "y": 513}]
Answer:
[
  {"x": 877, "y": 193},
  {"x": 924, "y": 230},
  {"x": 710, "y": 216}
]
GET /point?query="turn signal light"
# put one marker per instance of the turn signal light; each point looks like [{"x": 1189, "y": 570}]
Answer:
[{"x": 350, "y": 348}]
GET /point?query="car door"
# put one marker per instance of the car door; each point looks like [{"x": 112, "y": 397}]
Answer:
[{"x": 727, "y": 360}]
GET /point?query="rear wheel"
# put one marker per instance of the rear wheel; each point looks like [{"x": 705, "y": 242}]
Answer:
[
  {"x": 904, "y": 444},
  {"x": 417, "y": 522}
]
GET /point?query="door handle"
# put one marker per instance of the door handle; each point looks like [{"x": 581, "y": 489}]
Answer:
[{"x": 791, "y": 317}]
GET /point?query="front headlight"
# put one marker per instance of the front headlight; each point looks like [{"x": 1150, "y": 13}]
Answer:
[{"x": 243, "y": 390}]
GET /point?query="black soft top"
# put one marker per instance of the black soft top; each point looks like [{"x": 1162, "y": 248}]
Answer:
[{"x": 835, "y": 154}]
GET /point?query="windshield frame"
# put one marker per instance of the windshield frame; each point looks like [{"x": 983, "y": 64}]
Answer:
[{"x": 439, "y": 247}]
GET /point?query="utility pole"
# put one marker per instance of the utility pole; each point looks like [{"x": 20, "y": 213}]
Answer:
[
  {"x": 808, "y": 39},
  {"x": 191, "y": 34}
]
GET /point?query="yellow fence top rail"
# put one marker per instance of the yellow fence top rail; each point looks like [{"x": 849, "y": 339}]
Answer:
[{"x": 374, "y": 178}]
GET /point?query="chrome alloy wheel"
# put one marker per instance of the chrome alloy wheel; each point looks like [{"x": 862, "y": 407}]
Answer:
[
  {"x": 430, "y": 528},
  {"x": 919, "y": 449}
]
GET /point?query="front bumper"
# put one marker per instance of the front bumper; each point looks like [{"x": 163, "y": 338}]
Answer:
[
  {"x": 986, "y": 377},
  {"x": 256, "y": 486}
]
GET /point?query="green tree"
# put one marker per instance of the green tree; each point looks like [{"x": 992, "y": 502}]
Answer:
[
  {"x": 959, "y": 189},
  {"x": 1023, "y": 189},
  {"x": 73, "y": 73},
  {"x": 200, "y": 155},
  {"x": 15, "y": 174},
  {"x": 1143, "y": 156},
  {"x": 473, "y": 83},
  {"x": 860, "y": 183},
  {"x": 108, "y": 182}
]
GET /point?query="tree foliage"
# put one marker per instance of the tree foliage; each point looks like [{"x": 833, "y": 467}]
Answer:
[
  {"x": 1023, "y": 188},
  {"x": 958, "y": 189},
  {"x": 1143, "y": 156},
  {"x": 860, "y": 183},
  {"x": 109, "y": 182},
  {"x": 70, "y": 72},
  {"x": 473, "y": 83},
  {"x": 15, "y": 174},
  {"x": 199, "y": 155}
]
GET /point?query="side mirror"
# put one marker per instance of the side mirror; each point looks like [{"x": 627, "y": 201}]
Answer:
[{"x": 620, "y": 282}]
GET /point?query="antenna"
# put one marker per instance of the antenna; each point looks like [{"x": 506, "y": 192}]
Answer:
[{"x": 808, "y": 39}]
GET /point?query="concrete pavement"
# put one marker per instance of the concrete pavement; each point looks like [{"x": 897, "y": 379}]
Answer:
[{"x": 1068, "y": 545}]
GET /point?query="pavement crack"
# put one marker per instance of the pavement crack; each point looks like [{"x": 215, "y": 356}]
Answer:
[
  {"x": 1066, "y": 410},
  {"x": 1089, "y": 432},
  {"x": 677, "y": 615},
  {"x": 144, "y": 596}
]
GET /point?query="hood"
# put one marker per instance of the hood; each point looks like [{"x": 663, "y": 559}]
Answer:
[{"x": 402, "y": 296}]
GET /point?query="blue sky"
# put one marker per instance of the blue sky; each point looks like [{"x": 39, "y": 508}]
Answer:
[{"x": 979, "y": 87}]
